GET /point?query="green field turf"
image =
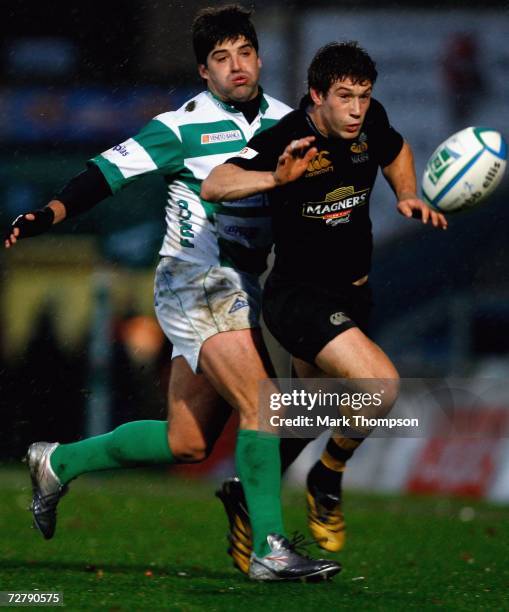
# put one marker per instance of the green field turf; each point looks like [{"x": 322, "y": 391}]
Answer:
[{"x": 145, "y": 541}]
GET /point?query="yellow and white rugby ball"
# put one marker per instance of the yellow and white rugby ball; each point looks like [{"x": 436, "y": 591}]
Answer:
[{"x": 464, "y": 169}]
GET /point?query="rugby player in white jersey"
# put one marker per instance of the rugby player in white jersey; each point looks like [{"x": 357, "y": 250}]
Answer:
[{"x": 207, "y": 295}]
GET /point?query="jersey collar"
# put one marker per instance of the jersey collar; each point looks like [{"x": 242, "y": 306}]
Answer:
[
  {"x": 264, "y": 105},
  {"x": 312, "y": 125}
]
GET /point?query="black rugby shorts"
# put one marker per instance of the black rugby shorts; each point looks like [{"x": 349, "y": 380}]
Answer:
[{"x": 304, "y": 317}]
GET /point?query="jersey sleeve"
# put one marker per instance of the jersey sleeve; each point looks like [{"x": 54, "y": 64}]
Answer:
[
  {"x": 387, "y": 141},
  {"x": 156, "y": 149},
  {"x": 263, "y": 150}
]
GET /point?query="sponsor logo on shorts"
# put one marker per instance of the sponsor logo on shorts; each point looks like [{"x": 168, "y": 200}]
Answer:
[
  {"x": 221, "y": 137},
  {"x": 239, "y": 303},
  {"x": 319, "y": 165},
  {"x": 337, "y": 206},
  {"x": 338, "y": 318}
]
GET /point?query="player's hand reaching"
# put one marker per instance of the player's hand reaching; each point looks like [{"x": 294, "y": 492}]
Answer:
[
  {"x": 29, "y": 224},
  {"x": 295, "y": 159},
  {"x": 412, "y": 207}
]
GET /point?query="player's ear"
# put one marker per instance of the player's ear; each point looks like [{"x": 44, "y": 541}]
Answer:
[
  {"x": 203, "y": 71},
  {"x": 259, "y": 62},
  {"x": 316, "y": 97}
]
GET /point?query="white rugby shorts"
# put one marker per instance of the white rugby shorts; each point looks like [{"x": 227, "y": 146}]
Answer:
[{"x": 194, "y": 302}]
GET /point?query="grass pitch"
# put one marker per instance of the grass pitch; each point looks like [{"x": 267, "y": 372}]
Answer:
[{"x": 146, "y": 541}]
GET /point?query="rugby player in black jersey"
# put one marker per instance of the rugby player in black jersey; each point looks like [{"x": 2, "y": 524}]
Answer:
[{"x": 318, "y": 165}]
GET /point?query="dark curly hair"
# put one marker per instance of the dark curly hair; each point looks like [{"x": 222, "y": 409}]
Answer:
[
  {"x": 214, "y": 25},
  {"x": 337, "y": 61}
]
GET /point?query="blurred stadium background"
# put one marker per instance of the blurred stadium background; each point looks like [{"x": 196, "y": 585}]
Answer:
[{"x": 80, "y": 351}]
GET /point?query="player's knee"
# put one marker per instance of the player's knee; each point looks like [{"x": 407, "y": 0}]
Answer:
[
  {"x": 383, "y": 387},
  {"x": 190, "y": 451}
]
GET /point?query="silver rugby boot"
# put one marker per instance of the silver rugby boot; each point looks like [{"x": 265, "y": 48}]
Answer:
[
  {"x": 46, "y": 487},
  {"x": 283, "y": 562}
]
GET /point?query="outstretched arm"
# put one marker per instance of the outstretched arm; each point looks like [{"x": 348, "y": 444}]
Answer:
[
  {"x": 400, "y": 174},
  {"x": 230, "y": 182},
  {"x": 79, "y": 195}
]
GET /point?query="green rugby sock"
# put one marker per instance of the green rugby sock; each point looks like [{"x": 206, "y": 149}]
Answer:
[
  {"x": 259, "y": 467},
  {"x": 134, "y": 444}
]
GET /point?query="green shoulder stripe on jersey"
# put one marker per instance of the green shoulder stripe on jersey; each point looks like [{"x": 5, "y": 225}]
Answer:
[
  {"x": 111, "y": 173},
  {"x": 214, "y": 138},
  {"x": 234, "y": 255},
  {"x": 163, "y": 146},
  {"x": 264, "y": 105},
  {"x": 265, "y": 124}
]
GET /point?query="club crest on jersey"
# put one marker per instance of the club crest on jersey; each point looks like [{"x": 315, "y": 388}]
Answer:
[
  {"x": 337, "y": 206},
  {"x": 216, "y": 137},
  {"x": 360, "y": 147}
]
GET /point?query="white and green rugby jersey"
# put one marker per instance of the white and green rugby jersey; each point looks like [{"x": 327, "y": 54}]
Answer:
[{"x": 184, "y": 146}]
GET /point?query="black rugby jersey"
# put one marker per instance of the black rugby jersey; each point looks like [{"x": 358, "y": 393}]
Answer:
[{"x": 322, "y": 229}]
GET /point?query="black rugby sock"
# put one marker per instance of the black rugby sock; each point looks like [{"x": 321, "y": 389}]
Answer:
[
  {"x": 324, "y": 480},
  {"x": 327, "y": 473}
]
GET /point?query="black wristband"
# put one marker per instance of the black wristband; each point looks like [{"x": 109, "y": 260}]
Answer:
[{"x": 41, "y": 223}]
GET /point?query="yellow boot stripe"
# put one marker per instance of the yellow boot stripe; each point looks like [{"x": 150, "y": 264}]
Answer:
[
  {"x": 241, "y": 549},
  {"x": 247, "y": 542},
  {"x": 239, "y": 529}
]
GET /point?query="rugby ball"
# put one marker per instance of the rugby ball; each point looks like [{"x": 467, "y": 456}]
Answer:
[{"x": 464, "y": 170}]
